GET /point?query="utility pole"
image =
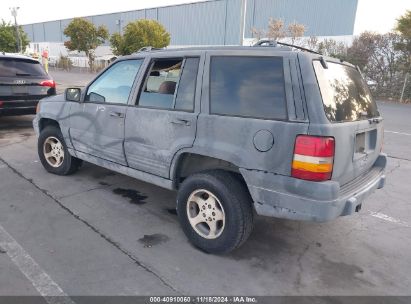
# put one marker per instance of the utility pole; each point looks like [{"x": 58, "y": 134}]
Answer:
[
  {"x": 242, "y": 20},
  {"x": 403, "y": 88},
  {"x": 13, "y": 11},
  {"x": 120, "y": 29}
]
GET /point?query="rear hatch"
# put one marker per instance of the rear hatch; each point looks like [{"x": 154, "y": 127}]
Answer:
[
  {"x": 354, "y": 120},
  {"x": 23, "y": 79}
]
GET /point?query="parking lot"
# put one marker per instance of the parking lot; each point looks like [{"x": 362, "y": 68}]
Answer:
[{"x": 101, "y": 233}]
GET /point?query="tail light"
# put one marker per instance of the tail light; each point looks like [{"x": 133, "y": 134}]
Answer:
[
  {"x": 1, "y": 103},
  {"x": 313, "y": 158},
  {"x": 48, "y": 83}
]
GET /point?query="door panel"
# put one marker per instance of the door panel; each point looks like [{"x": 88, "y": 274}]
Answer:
[
  {"x": 98, "y": 130},
  {"x": 164, "y": 121},
  {"x": 153, "y": 136},
  {"x": 97, "y": 124}
]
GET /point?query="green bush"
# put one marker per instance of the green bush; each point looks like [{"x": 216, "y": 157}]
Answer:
[
  {"x": 139, "y": 34},
  {"x": 64, "y": 63}
]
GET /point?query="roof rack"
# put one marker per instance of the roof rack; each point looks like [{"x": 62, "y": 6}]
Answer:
[
  {"x": 147, "y": 49},
  {"x": 266, "y": 42},
  {"x": 270, "y": 42}
]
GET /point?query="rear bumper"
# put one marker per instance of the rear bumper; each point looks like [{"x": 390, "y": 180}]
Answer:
[
  {"x": 287, "y": 197},
  {"x": 18, "y": 107}
]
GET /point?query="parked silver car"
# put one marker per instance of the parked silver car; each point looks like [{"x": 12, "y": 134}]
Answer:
[{"x": 237, "y": 131}]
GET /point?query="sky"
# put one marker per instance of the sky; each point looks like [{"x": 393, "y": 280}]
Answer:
[{"x": 373, "y": 15}]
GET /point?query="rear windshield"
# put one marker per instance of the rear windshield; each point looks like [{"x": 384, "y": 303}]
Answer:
[
  {"x": 11, "y": 67},
  {"x": 345, "y": 94}
]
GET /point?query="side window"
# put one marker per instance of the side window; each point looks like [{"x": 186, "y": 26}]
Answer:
[
  {"x": 247, "y": 86},
  {"x": 161, "y": 83},
  {"x": 114, "y": 85},
  {"x": 164, "y": 78}
]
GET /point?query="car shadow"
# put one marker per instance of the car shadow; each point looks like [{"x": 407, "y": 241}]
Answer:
[{"x": 16, "y": 122}]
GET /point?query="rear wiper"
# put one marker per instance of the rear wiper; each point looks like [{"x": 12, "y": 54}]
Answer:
[
  {"x": 376, "y": 120},
  {"x": 23, "y": 74}
]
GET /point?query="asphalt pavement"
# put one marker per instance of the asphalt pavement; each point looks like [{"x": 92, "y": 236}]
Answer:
[{"x": 101, "y": 233}]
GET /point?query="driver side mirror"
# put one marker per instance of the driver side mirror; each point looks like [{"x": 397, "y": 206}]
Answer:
[{"x": 73, "y": 94}]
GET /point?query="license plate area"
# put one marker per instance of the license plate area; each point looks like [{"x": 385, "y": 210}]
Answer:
[
  {"x": 365, "y": 143},
  {"x": 19, "y": 90}
]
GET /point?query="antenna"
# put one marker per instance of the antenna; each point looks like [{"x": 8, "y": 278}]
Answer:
[{"x": 272, "y": 42}]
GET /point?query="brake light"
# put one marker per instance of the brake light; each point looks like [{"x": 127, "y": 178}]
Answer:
[
  {"x": 313, "y": 158},
  {"x": 1, "y": 103},
  {"x": 48, "y": 83}
]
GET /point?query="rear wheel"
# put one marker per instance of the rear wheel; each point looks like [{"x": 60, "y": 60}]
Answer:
[
  {"x": 215, "y": 211},
  {"x": 53, "y": 152}
]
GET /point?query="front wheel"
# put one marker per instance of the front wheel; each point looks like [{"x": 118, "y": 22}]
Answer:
[
  {"x": 215, "y": 211},
  {"x": 53, "y": 152}
]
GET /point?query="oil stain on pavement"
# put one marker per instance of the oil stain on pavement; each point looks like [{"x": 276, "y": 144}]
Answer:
[
  {"x": 135, "y": 196},
  {"x": 153, "y": 239}
]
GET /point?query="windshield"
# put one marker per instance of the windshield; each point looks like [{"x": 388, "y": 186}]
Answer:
[
  {"x": 11, "y": 67},
  {"x": 345, "y": 94}
]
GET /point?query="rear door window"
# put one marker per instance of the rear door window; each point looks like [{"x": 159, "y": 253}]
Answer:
[
  {"x": 170, "y": 84},
  {"x": 161, "y": 83},
  {"x": 345, "y": 94},
  {"x": 248, "y": 87},
  {"x": 11, "y": 67}
]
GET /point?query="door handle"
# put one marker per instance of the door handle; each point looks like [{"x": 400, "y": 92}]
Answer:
[
  {"x": 180, "y": 121},
  {"x": 117, "y": 114}
]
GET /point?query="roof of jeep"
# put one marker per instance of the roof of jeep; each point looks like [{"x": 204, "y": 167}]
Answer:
[
  {"x": 222, "y": 47},
  {"x": 210, "y": 48},
  {"x": 261, "y": 49}
]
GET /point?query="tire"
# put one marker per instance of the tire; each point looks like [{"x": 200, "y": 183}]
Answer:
[
  {"x": 229, "y": 199},
  {"x": 60, "y": 162}
]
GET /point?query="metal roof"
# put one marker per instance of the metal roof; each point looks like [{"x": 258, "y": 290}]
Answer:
[{"x": 217, "y": 22}]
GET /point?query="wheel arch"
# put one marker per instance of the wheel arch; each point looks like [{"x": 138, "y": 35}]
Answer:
[
  {"x": 188, "y": 163},
  {"x": 44, "y": 122}
]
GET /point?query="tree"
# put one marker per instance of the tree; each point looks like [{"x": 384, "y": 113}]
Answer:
[
  {"x": 332, "y": 48},
  {"x": 257, "y": 33},
  {"x": 380, "y": 60},
  {"x": 139, "y": 34},
  {"x": 276, "y": 29},
  {"x": 296, "y": 31},
  {"x": 8, "y": 39},
  {"x": 404, "y": 29},
  {"x": 311, "y": 42},
  {"x": 85, "y": 37}
]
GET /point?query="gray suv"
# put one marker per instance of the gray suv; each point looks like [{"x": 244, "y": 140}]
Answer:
[{"x": 237, "y": 131}]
